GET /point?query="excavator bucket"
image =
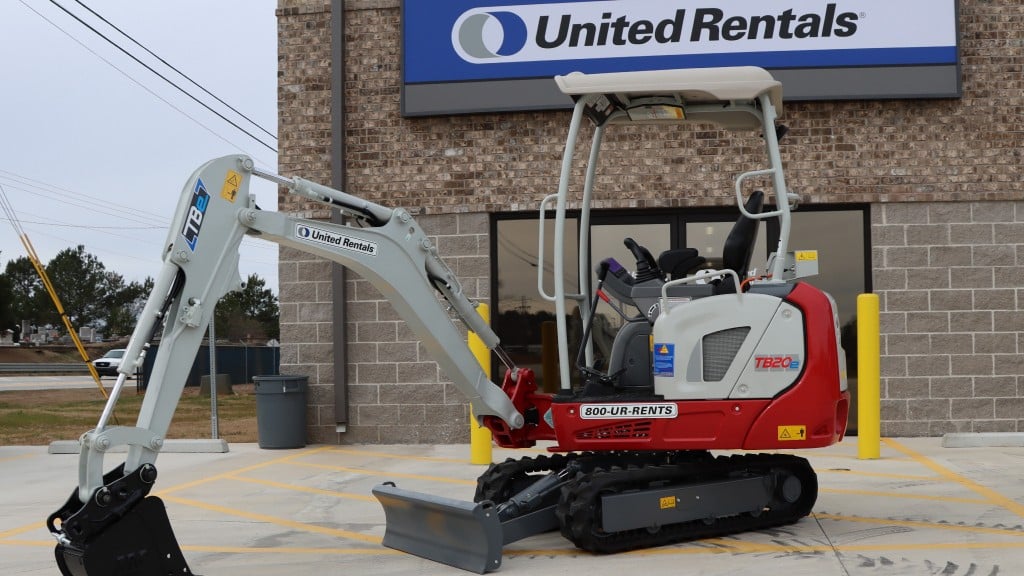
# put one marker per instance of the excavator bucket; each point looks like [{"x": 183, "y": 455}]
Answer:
[
  {"x": 140, "y": 542},
  {"x": 465, "y": 535}
]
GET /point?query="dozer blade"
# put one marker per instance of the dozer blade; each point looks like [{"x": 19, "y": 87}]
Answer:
[
  {"x": 465, "y": 535},
  {"x": 140, "y": 543}
]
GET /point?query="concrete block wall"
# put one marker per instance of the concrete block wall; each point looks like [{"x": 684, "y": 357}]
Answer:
[
  {"x": 950, "y": 278},
  {"x": 398, "y": 394}
]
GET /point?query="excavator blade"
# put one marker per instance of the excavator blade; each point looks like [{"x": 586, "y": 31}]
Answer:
[
  {"x": 465, "y": 535},
  {"x": 140, "y": 542}
]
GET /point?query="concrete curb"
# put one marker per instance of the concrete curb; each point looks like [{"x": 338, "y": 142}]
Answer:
[
  {"x": 983, "y": 440},
  {"x": 170, "y": 446}
]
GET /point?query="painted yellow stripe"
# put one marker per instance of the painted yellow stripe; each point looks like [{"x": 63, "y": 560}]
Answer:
[
  {"x": 985, "y": 492},
  {"x": 284, "y": 550},
  {"x": 244, "y": 550},
  {"x": 836, "y": 455},
  {"x": 200, "y": 482},
  {"x": 921, "y": 524},
  {"x": 399, "y": 456},
  {"x": 912, "y": 477},
  {"x": 905, "y": 495},
  {"x": 17, "y": 457},
  {"x": 390, "y": 474},
  {"x": 34, "y": 543},
  {"x": 21, "y": 530},
  {"x": 716, "y": 547},
  {"x": 278, "y": 521},
  {"x": 306, "y": 489},
  {"x": 243, "y": 470}
]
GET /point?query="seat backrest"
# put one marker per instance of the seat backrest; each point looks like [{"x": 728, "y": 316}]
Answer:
[{"x": 739, "y": 245}]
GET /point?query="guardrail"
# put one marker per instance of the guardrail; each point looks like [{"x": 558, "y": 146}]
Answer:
[{"x": 34, "y": 368}]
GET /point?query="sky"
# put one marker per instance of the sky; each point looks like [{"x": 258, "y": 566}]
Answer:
[{"x": 96, "y": 155}]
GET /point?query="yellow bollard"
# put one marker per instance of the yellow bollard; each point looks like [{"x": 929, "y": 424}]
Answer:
[
  {"x": 480, "y": 437},
  {"x": 869, "y": 378}
]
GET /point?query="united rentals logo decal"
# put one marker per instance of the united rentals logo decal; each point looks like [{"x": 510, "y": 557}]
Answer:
[
  {"x": 478, "y": 28},
  {"x": 588, "y": 30},
  {"x": 319, "y": 236}
]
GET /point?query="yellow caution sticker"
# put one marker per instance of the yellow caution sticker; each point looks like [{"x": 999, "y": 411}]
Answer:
[
  {"x": 807, "y": 255},
  {"x": 667, "y": 502},
  {"x": 231, "y": 184},
  {"x": 792, "y": 433}
]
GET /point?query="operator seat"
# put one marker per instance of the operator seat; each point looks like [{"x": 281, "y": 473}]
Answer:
[{"x": 739, "y": 245}]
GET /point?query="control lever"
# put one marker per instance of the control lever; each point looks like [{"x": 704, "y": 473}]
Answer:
[{"x": 646, "y": 266}]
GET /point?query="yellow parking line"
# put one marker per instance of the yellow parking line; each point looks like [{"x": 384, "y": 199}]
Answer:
[
  {"x": 839, "y": 456},
  {"x": 399, "y": 456},
  {"x": 921, "y": 524},
  {"x": 15, "y": 531},
  {"x": 17, "y": 457},
  {"x": 35, "y": 543},
  {"x": 390, "y": 474},
  {"x": 242, "y": 470},
  {"x": 987, "y": 493},
  {"x": 285, "y": 550},
  {"x": 297, "y": 488},
  {"x": 906, "y": 495},
  {"x": 195, "y": 483},
  {"x": 913, "y": 477},
  {"x": 275, "y": 520}
]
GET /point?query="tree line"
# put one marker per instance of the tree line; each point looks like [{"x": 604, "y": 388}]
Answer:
[{"x": 93, "y": 296}]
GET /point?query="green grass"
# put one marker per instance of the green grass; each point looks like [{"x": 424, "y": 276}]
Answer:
[{"x": 39, "y": 417}]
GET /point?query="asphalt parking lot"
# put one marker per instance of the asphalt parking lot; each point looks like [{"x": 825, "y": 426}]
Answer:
[{"x": 920, "y": 509}]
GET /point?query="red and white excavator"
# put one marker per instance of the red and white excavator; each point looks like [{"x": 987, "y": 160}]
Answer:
[{"x": 712, "y": 361}]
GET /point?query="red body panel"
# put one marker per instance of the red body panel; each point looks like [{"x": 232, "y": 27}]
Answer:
[{"x": 809, "y": 414}]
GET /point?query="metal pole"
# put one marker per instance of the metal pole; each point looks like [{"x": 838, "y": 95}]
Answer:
[
  {"x": 869, "y": 377},
  {"x": 213, "y": 377}
]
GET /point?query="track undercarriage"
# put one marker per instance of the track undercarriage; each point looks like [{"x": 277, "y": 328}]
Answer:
[{"x": 623, "y": 501}]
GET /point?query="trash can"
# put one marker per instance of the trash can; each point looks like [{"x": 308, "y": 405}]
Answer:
[{"x": 281, "y": 411}]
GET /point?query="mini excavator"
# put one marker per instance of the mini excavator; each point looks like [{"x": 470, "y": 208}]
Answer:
[{"x": 710, "y": 360}]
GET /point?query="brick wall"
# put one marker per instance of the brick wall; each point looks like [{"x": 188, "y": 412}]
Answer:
[{"x": 926, "y": 159}]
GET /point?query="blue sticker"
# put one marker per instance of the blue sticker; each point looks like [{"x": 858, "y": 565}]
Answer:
[{"x": 664, "y": 360}]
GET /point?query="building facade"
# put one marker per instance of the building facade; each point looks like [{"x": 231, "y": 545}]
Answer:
[{"x": 919, "y": 201}]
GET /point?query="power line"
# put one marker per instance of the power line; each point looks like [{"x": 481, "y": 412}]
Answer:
[
  {"x": 161, "y": 76},
  {"x": 129, "y": 77},
  {"x": 83, "y": 226},
  {"x": 169, "y": 65}
]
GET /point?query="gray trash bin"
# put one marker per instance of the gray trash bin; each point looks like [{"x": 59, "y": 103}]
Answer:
[{"x": 281, "y": 411}]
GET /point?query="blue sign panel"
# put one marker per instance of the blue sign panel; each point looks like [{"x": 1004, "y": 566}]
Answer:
[{"x": 480, "y": 41}]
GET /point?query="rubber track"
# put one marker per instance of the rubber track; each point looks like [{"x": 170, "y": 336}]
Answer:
[
  {"x": 579, "y": 511},
  {"x": 502, "y": 481}
]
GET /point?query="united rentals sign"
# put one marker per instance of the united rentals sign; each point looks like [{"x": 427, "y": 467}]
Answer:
[{"x": 481, "y": 56}]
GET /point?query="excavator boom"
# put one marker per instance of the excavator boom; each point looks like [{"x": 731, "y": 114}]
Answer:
[{"x": 109, "y": 525}]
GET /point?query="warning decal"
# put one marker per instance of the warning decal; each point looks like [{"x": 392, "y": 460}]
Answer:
[
  {"x": 791, "y": 433},
  {"x": 231, "y": 184},
  {"x": 667, "y": 502},
  {"x": 664, "y": 359}
]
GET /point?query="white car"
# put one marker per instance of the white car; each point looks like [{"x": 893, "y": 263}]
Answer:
[{"x": 107, "y": 364}]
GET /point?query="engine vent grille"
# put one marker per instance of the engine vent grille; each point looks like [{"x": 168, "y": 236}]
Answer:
[
  {"x": 719, "y": 351},
  {"x": 619, "y": 430}
]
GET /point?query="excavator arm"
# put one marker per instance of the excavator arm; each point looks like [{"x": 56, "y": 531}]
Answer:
[{"x": 109, "y": 525}]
